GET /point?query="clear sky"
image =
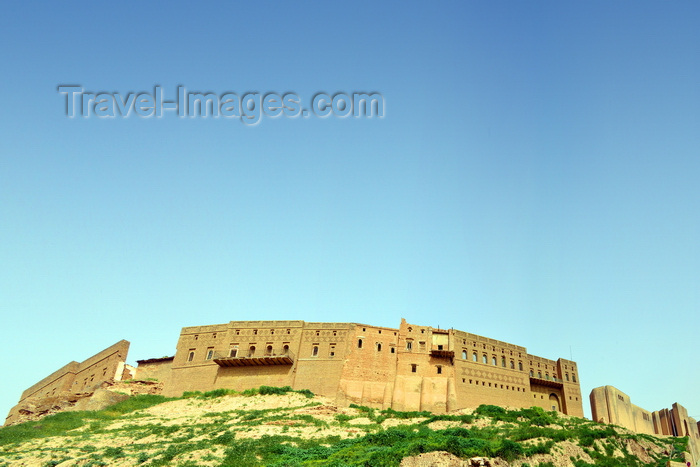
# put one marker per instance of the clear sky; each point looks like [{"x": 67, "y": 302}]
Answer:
[{"x": 534, "y": 180}]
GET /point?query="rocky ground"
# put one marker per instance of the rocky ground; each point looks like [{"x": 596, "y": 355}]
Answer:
[{"x": 207, "y": 431}]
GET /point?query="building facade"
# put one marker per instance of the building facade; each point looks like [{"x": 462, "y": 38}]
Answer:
[{"x": 411, "y": 367}]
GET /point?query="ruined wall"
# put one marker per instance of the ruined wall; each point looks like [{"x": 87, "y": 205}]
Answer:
[
  {"x": 610, "y": 405},
  {"x": 77, "y": 377},
  {"x": 103, "y": 366}
]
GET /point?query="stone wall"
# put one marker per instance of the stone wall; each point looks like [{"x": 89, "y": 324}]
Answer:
[
  {"x": 413, "y": 367},
  {"x": 106, "y": 365}
]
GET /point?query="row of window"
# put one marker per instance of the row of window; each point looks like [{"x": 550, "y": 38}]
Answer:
[
  {"x": 377, "y": 346},
  {"x": 495, "y": 385},
  {"x": 234, "y": 351}
]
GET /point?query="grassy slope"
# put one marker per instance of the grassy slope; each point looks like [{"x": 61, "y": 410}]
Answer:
[{"x": 279, "y": 427}]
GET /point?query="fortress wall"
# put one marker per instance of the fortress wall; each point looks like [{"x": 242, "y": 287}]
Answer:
[
  {"x": 59, "y": 380},
  {"x": 103, "y": 366},
  {"x": 196, "y": 377},
  {"x": 610, "y": 405},
  {"x": 100, "y": 367},
  {"x": 248, "y": 377},
  {"x": 685, "y": 425},
  {"x": 477, "y": 383},
  {"x": 413, "y": 367},
  {"x": 158, "y": 369}
]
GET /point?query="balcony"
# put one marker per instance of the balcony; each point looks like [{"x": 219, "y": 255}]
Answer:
[
  {"x": 223, "y": 360},
  {"x": 440, "y": 353},
  {"x": 551, "y": 382}
]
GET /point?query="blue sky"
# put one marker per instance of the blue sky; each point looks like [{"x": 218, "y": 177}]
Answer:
[{"x": 534, "y": 180}]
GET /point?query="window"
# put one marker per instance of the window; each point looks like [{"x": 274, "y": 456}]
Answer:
[
  {"x": 233, "y": 353},
  {"x": 493, "y": 361},
  {"x": 210, "y": 353},
  {"x": 439, "y": 370},
  {"x": 272, "y": 332},
  {"x": 331, "y": 352},
  {"x": 255, "y": 331},
  {"x": 532, "y": 374},
  {"x": 573, "y": 377},
  {"x": 410, "y": 329},
  {"x": 539, "y": 374},
  {"x": 512, "y": 365},
  {"x": 251, "y": 351},
  {"x": 393, "y": 350},
  {"x": 475, "y": 357},
  {"x": 485, "y": 358},
  {"x": 289, "y": 331},
  {"x": 409, "y": 345},
  {"x": 214, "y": 335},
  {"x": 464, "y": 354},
  {"x": 520, "y": 366},
  {"x": 439, "y": 346},
  {"x": 314, "y": 352},
  {"x": 285, "y": 349},
  {"x": 503, "y": 362},
  {"x": 269, "y": 350},
  {"x": 190, "y": 356},
  {"x": 567, "y": 376},
  {"x": 414, "y": 367},
  {"x": 359, "y": 343},
  {"x": 318, "y": 333},
  {"x": 379, "y": 346},
  {"x": 196, "y": 336}
]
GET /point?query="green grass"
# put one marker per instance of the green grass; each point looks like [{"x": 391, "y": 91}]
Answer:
[{"x": 507, "y": 436}]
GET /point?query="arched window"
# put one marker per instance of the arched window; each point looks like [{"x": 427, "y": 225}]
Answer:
[
  {"x": 532, "y": 374},
  {"x": 485, "y": 358},
  {"x": 285, "y": 349},
  {"x": 314, "y": 352},
  {"x": 251, "y": 351},
  {"x": 539, "y": 374},
  {"x": 503, "y": 362},
  {"x": 464, "y": 354},
  {"x": 512, "y": 365},
  {"x": 520, "y": 366},
  {"x": 379, "y": 347},
  {"x": 493, "y": 361},
  {"x": 190, "y": 357},
  {"x": 359, "y": 343},
  {"x": 475, "y": 357},
  {"x": 573, "y": 377},
  {"x": 269, "y": 350}
]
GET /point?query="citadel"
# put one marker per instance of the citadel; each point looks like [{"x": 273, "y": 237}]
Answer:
[{"x": 412, "y": 367}]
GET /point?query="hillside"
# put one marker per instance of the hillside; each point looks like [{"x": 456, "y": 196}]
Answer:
[{"x": 280, "y": 427}]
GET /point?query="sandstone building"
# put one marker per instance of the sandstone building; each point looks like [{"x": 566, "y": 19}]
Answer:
[
  {"x": 610, "y": 405},
  {"x": 411, "y": 367},
  {"x": 106, "y": 365}
]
